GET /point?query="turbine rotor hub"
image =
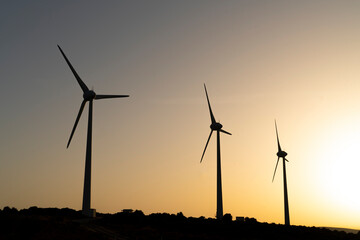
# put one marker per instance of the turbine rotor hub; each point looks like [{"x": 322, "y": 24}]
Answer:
[
  {"x": 89, "y": 95},
  {"x": 281, "y": 154},
  {"x": 216, "y": 126}
]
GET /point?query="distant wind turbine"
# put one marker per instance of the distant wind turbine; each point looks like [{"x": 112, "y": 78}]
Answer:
[
  {"x": 216, "y": 126},
  {"x": 282, "y": 154},
  {"x": 89, "y": 96}
]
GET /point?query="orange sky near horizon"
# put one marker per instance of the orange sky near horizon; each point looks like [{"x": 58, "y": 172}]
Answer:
[{"x": 296, "y": 62}]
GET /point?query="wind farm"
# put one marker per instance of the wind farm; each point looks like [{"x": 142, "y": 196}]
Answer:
[{"x": 295, "y": 61}]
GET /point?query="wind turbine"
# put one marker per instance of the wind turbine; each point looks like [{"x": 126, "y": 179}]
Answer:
[
  {"x": 282, "y": 154},
  {"x": 89, "y": 96},
  {"x": 216, "y": 126}
]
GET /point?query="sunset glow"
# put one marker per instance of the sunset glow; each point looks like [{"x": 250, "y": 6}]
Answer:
[{"x": 294, "y": 61}]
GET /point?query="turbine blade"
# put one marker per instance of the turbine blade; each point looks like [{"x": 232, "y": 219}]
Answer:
[
  {"x": 277, "y": 137},
  {"x": 110, "y": 96},
  {"x": 286, "y": 160},
  {"x": 225, "y": 132},
  {"x": 275, "y": 168},
  {"x": 206, "y": 146},
  {"x": 211, "y": 113},
  {"x": 81, "y": 83},
  {"x": 76, "y": 121}
]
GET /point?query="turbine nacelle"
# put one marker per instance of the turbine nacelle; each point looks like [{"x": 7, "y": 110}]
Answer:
[
  {"x": 281, "y": 154},
  {"x": 89, "y": 95},
  {"x": 216, "y": 126}
]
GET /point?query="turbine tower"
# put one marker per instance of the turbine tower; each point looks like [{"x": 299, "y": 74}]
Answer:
[
  {"x": 89, "y": 96},
  {"x": 282, "y": 154},
  {"x": 216, "y": 126}
]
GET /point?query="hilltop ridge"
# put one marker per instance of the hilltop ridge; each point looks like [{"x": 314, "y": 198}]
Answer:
[{"x": 54, "y": 223}]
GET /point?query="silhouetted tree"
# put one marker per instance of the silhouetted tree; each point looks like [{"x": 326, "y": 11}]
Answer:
[
  {"x": 8, "y": 210},
  {"x": 139, "y": 213},
  {"x": 227, "y": 218},
  {"x": 250, "y": 220},
  {"x": 180, "y": 216}
]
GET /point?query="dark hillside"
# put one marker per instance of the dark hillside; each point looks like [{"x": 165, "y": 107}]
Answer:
[{"x": 52, "y": 223}]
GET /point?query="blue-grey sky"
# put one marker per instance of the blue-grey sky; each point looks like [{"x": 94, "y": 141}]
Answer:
[{"x": 296, "y": 61}]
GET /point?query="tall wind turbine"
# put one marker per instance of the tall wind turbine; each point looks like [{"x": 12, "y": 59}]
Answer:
[
  {"x": 89, "y": 96},
  {"x": 216, "y": 126},
  {"x": 282, "y": 154}
]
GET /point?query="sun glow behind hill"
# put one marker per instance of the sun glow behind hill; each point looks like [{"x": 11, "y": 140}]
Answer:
[
  {"x": 324, "y": 175},
  {"x": 337, "y": 163}
]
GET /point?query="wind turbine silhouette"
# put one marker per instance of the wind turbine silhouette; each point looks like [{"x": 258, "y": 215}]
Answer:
[
  {"x": 282, "y": 154},
  {"x": 216, "y": 126},
  {"x": 89, "y": 96}
]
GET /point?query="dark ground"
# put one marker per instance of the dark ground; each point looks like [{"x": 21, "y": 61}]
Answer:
[{"x": 53, "y": 223}]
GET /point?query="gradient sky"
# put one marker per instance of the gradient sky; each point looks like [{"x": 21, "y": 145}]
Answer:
[{"x": 296, "y": 61}]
